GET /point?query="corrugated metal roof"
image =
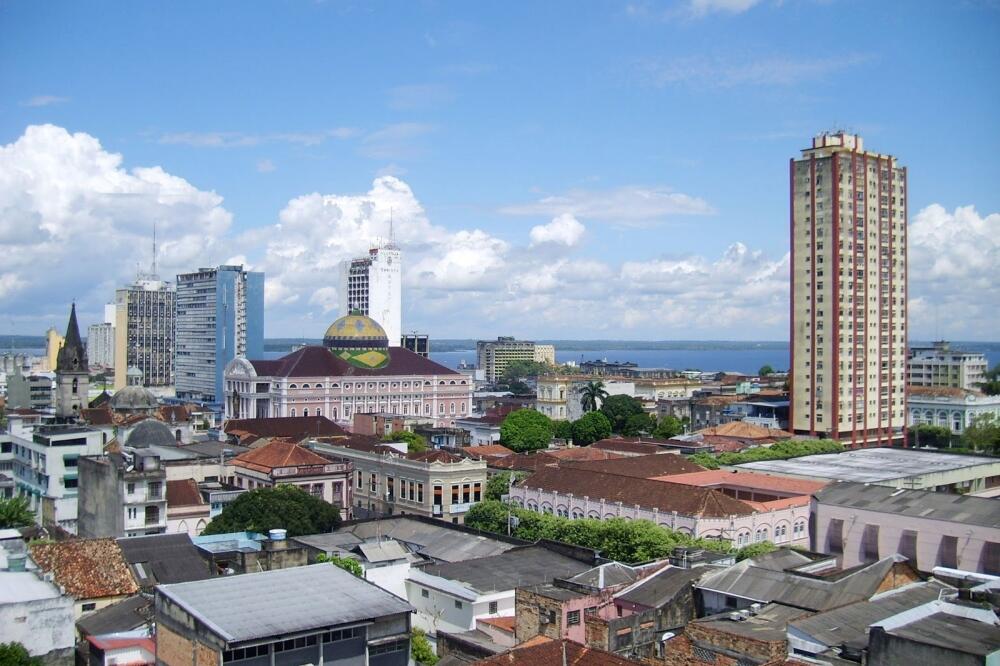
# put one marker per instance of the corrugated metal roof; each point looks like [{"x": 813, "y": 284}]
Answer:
[
  {"x": 284, "y": 601},
  {"x": 964, "y": 509}
]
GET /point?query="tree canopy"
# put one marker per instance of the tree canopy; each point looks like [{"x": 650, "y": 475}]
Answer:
[
  {"x": 526, "y": 430},
  {"x": 420, "y": 648},
  {"x": 617, "y": 408},
  {"x": 591, "y": 427},
  {"x": 284, "y": 507},
  {"x": 992, "y": 384},
  {"x": 15, "y": 654},
  {"x": 925, "y": 434},
  {"x": 563, "y": 429},
  {"x": 414, "y": 443},
  {"x": 668, "y": 426},
  {"x": 765, "y": 370},
  {"x": 983, "y": 434},
  {"x": 780, "y": 451},
  {"x": 346, "y": 563},
  {"x": 517, "y": 370},
  {"x": 592, "y": 395},
  {"x": 638, "y": 424},
  {"x": 14, "y": 512}
]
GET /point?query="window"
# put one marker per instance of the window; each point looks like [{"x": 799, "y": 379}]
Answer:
[
  {"x": 591, "y": 610},
  {"x": 458, "y": 604},
  {"x": 398, "y": 645},
  {"x": 373, "y": 486},
  {"x": 573, "y": 617},
  {"x": 89, "y": 606},
  {"x": 425, "y": 593},
  {"x": 494, "y": 607},
  {"x": 129, "y": 488}
]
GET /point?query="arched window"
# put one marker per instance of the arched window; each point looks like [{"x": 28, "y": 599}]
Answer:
[
  {"x": 441, "y": 408},
  {"x": 305, "y": 386},
  {"x": 452, "y": 408},
  {"x": 319, "y": 412},
  {"x": 305, "y": 412},
  {"x": 291, "y": 386},
  {"x": 463, "y": 407},
  {"x": 200, "y": 527},
  {"x": 292, "y": 411},
  {"x": 335, "y": 385},
  {"x": 452, "y": 382}
]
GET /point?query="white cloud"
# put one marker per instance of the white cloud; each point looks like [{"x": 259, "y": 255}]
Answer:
[
  {"x": 399, "y": 141},
  {"x": 242, "y": 139},
  {"x": 954, "y": 258},
  {"x": 562, "y": 230},
  {"x": 706, "y": 72},
  {"x": 628, "y": 204},
  {"x": 703, "y": 7},
  {"x": 265, "y": 166},
  {"x": 44, "y": 100},
  {"x": 76, "y": 223}
]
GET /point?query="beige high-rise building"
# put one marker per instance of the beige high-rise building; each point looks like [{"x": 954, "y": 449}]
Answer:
[
  {"x": 144, "y": 331},
  {"x": 848, "y": 281}
]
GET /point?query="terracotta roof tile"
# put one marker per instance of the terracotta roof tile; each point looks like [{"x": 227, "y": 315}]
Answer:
[
  {"x": 583, "y": 453},
  {"x": 763, "y": 482},
  {"x": 549, "y": 652},
  {"x": 98, "y": 416},
  {"x": 278, "y": 453},
  {"x": 626, "y": 446},
  {"x": 505, "y": 623},
  {"x": 744, "y": 430},
  {"x": 86, "y": 568},
  {"x": 435, "y": 457},
  {"x": 644, "y": 467},
  {"x": 939, "y": 391},
  {"x": 173, "y": 413},
  {"x": 184, "y": 493},
  {"x": 316, "y": 361},
  {"x": 647, "y": 493},
  {"x": 295, "y": 427},
  {"x": 487, "y": 451}
]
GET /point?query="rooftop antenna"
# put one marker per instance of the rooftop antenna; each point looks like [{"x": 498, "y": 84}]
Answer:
[{"x": 154, "y": 247}]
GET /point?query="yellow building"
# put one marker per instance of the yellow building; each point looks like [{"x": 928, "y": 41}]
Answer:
[
  {"x": 53, "y": 343},
  {"x": 848, "y": 305}
]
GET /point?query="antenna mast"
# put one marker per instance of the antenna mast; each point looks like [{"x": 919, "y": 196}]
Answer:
[{"x": 154, "y": 247}]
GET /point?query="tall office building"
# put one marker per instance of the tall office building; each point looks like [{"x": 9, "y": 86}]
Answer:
[
  {"x": 220, "y": 315},
  {"x": 372, "y": 285},
  {"x": 101, "y": 340},
  {"x": 848, "y": 282},
  {"x": 940, "y": 365},
  {"x": 144, "y": 331},
  {"x": 492, "y": 356}
]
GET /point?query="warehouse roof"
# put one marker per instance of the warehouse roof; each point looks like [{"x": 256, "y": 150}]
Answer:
[
  {"x": 964, "y": 509},
  {"x": 297, "y": 599}
]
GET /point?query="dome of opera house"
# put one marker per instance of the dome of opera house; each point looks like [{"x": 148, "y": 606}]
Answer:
[{"x": 355, "y": 331}]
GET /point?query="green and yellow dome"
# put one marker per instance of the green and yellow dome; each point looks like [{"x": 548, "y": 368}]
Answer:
[{"x": 359, "y": 340}]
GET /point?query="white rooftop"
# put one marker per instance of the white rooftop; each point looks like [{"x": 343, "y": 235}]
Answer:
[
  {"x": 870, "y": 465},
  {"x": 22, "y": 586}
]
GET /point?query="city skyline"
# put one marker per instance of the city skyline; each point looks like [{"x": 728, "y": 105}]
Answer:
[{"x": 631, "y": 184}]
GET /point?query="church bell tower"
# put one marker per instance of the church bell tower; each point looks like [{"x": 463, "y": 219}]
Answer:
[{"x": 72, "y": 372}]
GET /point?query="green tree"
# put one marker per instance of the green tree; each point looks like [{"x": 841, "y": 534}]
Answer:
[
  {"x": 754, "y": 550},
  {"x": 284, "y": 507},
  {"x": 618, "y": 408},
  {"x": 14, "y": 512},
  {"x": 346, "y": 563},
  {"x": 591, "y": 427},
  {"x": 765, "y": 370},
  {"x": 992, "y": 384},
  {"x": 638, "y": 424},
  {"x": 499, "y": 484},
  {"x": 592, "y": 395},
  {"x": 519, "y": 370},
  {"x": 668, "y": 426},
  {"x": 563, "y": 430},
  {"x": 15, "y": 654},
  {"x": 526, "y": 430},
  {"x": 983, "y": 434},
  {"x": 420, "y": 648},
  {"x": 930, "y": 435},
  {"x": 780, "y": 451},
  {"x": 414, "y": 443}
]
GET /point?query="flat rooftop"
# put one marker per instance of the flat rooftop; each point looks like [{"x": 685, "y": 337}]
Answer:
[
  {"x": 871, "y": 465},
  {"x": 927, "y": 504},
  {"x": 293, "y": 600}
]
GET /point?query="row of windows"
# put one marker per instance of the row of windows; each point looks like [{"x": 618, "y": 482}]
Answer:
[
  {"x": 254, "y": 651},
  {"x": 371, "y": 385}
]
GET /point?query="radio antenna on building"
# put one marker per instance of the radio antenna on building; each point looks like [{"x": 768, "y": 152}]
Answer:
[{"x": 154, "y": 247}]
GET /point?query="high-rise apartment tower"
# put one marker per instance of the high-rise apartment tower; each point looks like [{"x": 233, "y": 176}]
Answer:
[
  {"x": 848, "y": 302},
  {"x": 220, "y": 315},
  {"x": 372, "y": 285},
  {"x": 144, "y": 331}
]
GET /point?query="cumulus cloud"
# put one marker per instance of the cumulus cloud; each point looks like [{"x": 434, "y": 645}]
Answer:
[
  {"x": 75, "y": 222},
  {"x": 562, "y": 230},
  {"x": 628, "y": 204},
  {"x": 954, "y": 258}
]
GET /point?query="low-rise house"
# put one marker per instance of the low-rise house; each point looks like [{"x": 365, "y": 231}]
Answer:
[
  {"x": 632, "y": 446},
  {"x": 313, "y": 614},
  {"x": 794, "y": 579},
  {"x": 282, "y": 462},
  {"x": 451, "y": 597},
  {"x": 388, "y": 480},
  {"x": 118, "y": 649},
  {"x": 757, "y": 636},
  {"x": 483, "y": 429},
  {"x": 134, "y": 614},
  {"x": 187, "y": 510},
  {"x": 938, "y": 632},
  {"x": 861, "y": 523},
  {"x": 163, "y": 558},
  {"x": 842, "y": 633},
  {"x": 33, "y": 610},
  {"x": 92, "y": 571},
  {"x": 247, "y": 552},
  {"x": 547, "y": 652}
]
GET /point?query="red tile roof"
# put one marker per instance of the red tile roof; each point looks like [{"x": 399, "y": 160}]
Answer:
[
  {"x": 643, "y": 467},
  {"x": 749, "y": 480},
  {"x": 86, "y": 568},
  {"x": 184, "y": 493},
  {"x": 435, "y": 456},
  {"x": 173, "y": 413},
  {"x": 744, "y": 430},
  {"x": 316, "y": 361},
  {"x": 627, "y": 446},
  {"x": 524, "y": 462},
  {"x": 939, "y": 391},
  {"x": 98, "y": 416},
  {"x": 504, "y": 623},
  {"x": 276, "y": 454},
  {"x": 582, "y": 453},
  {"x": 647, "y": 493},
  {"x": 487, "y": 451},
  {"x": 550, "y": 652},
  {"x": 294, "y": 427}
]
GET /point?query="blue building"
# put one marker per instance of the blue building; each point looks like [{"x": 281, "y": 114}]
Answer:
[{"x": 219, "y": 316}]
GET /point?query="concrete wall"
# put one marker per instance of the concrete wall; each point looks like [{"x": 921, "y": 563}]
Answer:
[
  {"x": 42, "y": 626},
  {"x": 971, "y": 540},
  {"x": 887, "y": 650},
  {"x": 99, "y": 505}
]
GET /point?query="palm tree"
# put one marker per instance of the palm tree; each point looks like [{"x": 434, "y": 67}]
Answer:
[
  {"x": 14, "y": 512},
  {"x": 593, "y": 393}
]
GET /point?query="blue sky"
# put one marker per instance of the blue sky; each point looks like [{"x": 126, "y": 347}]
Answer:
[{"x": 569, "y": 170}]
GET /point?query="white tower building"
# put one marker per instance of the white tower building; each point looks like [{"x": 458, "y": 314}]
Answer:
[{"x": 373, "y": 286}]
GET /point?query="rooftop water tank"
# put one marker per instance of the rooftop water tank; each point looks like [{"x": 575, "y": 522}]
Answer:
[{"x": 277, "y": 535}]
